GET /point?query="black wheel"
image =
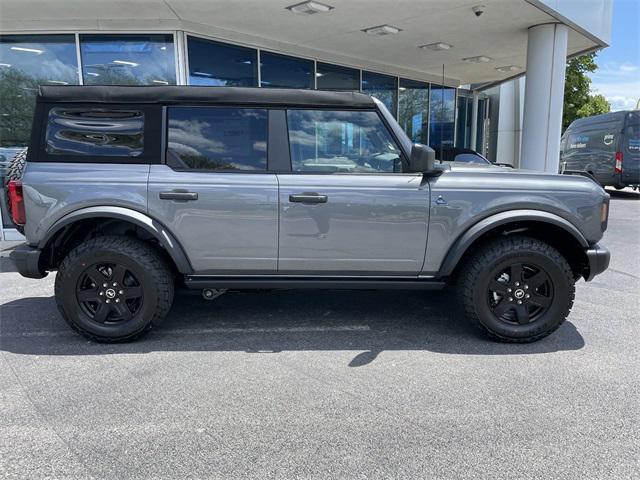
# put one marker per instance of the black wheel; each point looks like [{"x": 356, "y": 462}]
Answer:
[
  {"x": 15, "y": 170},
  {"x": 113, "y": 289},
  {"x": 517, "y": 289}
]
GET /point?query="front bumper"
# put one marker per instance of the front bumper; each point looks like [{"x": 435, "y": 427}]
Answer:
[
  {"x": 27, "y": 260},
  {"x": 598, "y": 258}
]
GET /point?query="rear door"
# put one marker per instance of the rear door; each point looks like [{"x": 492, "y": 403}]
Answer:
[
  {"x": 214, "y": 190},
  {"x": 346, "y": 207}
]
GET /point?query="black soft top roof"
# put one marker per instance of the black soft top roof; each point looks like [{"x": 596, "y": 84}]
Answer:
[{"x": 208, "y": 95}]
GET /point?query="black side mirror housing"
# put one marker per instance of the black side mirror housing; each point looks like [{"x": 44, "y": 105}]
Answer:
[{"x": 423, "y": 159}]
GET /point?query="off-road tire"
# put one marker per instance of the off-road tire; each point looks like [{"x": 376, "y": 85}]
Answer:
[
  {"x": 152, "y": 272},
  {"x": 15, "y": 170},
  {"x": 477, "y": 272}
]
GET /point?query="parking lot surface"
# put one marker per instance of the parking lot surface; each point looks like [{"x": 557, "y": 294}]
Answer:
[{"x": 327, "y": 384}]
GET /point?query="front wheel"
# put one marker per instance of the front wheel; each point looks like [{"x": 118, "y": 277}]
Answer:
[
  {"x": 517, "y": 289},
  {"x": 113, "y": 289}
]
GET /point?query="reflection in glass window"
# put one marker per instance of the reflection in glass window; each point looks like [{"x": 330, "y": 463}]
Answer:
[
  {"x": 282, "y": 71},
  {"x": 220, "y": 64},
  {"x": 128, "y": 59},
  {"x": 414, "y": 109},
  {"x": 443, "y": 115},
  {"x": 27, "y": 61},
  {"x": 95, "y": 132},
  {"x": 336, "y": 77},
  {"x": 383, "y": 87},
  {"x": 341, "y": 141},
  {"x": 216, "y": 138},
  {"x": 463, "y": 126}
]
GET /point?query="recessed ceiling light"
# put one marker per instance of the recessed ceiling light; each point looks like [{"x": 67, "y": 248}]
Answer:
[
  {"x": 93, "y": 74},
  {"x": 202, "y": 74},
  {"x": 30, "y": 50},
  {"x": 5, "y": 65},
  {"x": 58, "y": 82},
  {"x": 508, "y": 68},
  {"x": 124, "y": 62},
  {"x": 381, "y": 30},
  {"x": 309, "y": 8},
  {"x": 161, "y": 82},
  {"x": 478, "y": 59},
  {"x": 436, "y": 46}
]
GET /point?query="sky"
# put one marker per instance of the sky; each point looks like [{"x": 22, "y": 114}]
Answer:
[{"x": 618, "y": 74}]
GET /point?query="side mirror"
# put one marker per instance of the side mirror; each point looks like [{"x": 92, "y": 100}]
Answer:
[{"x": 422, "y": 159}]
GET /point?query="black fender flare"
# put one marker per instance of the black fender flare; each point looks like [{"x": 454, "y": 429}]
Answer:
[
  {"x": 462, "y": 244},
  {"x": 153, "y": 227}
]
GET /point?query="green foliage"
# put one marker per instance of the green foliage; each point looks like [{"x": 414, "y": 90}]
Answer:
[{"x": 578, "y": 101}]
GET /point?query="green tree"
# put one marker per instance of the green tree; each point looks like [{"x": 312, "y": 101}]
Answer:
[{"x": 578, "y": 101}]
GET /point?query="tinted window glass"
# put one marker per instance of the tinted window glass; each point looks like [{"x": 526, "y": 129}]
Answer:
[
  {"x": 335, "y": 77},
  {"x": 128, "y": 59},
  {"x": 27, "y": 61},
  {"x": 341, "y": 141},
  {"x": 443, "y": 115},
  {"x": 383, "y": 87},
  {"x": 211, "y": 138},
  {"x": 632, "y": 140},
  {"x": 285, "y": 72},
  {"x": 95, "y": 132},
  {"x": 414, "y": 109},
  {"x": 219, "y": 64}
]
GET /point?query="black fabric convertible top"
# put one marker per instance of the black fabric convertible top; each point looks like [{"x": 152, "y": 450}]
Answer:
[{"x": 208, "y": 95}]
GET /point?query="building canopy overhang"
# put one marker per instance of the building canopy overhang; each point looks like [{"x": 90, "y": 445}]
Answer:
[{"x": 491, "y": 47}]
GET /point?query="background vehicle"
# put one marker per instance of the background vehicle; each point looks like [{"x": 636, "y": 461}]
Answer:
[
  {"x": 129, "y": 191},
  {"x": 607, "y": 146}
]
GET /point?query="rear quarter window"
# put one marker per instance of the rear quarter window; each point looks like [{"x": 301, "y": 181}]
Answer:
[{"x": 95, "y": 132}]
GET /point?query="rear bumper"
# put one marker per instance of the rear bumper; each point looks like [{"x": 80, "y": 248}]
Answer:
[
  {"x": 27, "y": 260},
  {"x": 598, "y": 258}
]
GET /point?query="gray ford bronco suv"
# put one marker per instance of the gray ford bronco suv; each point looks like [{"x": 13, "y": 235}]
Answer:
[{"x": 129, "y": 192}]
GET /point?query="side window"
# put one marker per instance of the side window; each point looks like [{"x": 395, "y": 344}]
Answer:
[
  {"x": 95, "y": 132},
  {"x": 217, "y": 138},
  {"x": 632, "y": 140},
  {"x": 341, "y": 141}
]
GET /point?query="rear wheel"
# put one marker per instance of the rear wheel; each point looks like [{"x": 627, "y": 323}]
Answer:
[
  {"x": 517, "y": 289},
  {"x": 113, "y": 289}
]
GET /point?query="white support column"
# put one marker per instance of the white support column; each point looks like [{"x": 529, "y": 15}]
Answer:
[
  {"x": 474, "y": 121},
  {"x": 544, "y": 93}
]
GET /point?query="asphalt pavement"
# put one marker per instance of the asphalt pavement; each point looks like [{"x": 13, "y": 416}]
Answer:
[{"x": 327, "y": 384}]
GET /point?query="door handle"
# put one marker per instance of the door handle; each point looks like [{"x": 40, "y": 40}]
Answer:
[
  {"x": 308, "y": 198},
  {"x": 179, "y": 195}
]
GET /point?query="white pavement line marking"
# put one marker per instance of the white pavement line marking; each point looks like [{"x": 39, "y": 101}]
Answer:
[{"x": 199, "y": 331}]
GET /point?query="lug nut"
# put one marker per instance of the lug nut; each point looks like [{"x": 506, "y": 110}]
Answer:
[
  {"x": 510, "y": 299},
  {"x": 509, "y": 290},
  {"x": 105, "y": 285},
  {"x": 115, "y": 284},
  {"x": 519, "y": 302},
  {"x": 517, "y": 284},
  {"x": 526, "y": 287},
  {"x": 121, "y": 292},
  {"x": 527, "y": 296},
  {"x": 93, "y": 285},
  {"x": 117, "y": 300},
  {"x": 108, "y": 301},
  {"x": 101, "y": 293}
]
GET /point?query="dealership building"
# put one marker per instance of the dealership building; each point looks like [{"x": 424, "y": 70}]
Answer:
[{"x": 451, "y": 71}]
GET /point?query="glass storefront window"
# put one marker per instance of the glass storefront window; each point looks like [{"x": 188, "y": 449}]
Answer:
[
  {"x": 383, "y": 87},
  {"x": 128, "y": 59},
  {"x": 414, "y": 109},
  {"x": 27, "y": 61},
  {"x": 220, "y": 64},
  {"x": 336, "y": 77},
  {"x": 282, "y": 71},
  {"x": 463, "y": 125},
  {"x": 443, "y": 116}
]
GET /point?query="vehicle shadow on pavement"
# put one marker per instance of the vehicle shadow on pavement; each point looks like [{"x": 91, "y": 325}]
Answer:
[
  {"x": 368, "y": 322},
  {"x": 624, "y": 194}
]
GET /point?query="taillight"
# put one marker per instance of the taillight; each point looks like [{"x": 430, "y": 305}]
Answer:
[
  {"x": 618, "y": 167},
  {"x": 16, "y": 202}
]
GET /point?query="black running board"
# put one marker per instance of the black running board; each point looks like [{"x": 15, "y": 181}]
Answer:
[{"x": 299, "y": 282}]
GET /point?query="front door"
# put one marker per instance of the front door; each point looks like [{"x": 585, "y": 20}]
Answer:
[
  {"x": 346, "y": 208},
  {"x": 215, "y": 193}
]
